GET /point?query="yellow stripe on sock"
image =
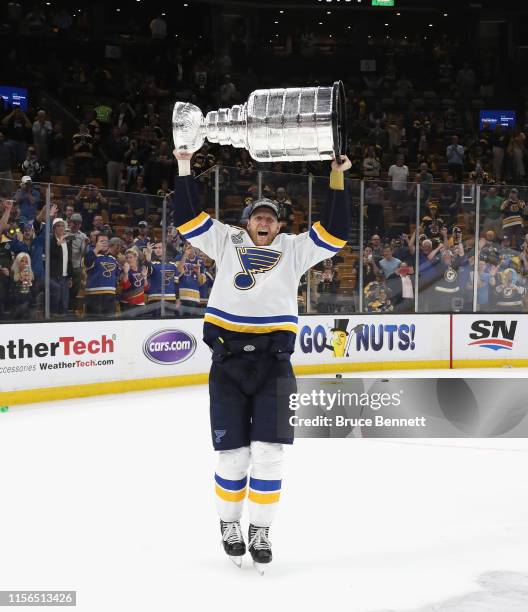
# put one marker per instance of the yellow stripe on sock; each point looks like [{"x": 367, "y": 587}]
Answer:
[
  {"x": 263, "y": 498},
  {"x": 232, "y": 496}
]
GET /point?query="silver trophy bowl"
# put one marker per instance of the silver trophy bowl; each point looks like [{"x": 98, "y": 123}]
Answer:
[{"x": 296, "y": 124}]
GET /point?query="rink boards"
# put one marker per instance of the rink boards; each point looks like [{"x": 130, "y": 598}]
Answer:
[{"x": 46, "y": 361}]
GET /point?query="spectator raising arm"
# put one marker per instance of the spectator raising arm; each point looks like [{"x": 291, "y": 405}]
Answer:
[{"x": 4, "y": 219}]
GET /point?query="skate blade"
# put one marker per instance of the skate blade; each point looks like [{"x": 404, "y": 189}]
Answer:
[
  {"x": 236, "y": 561},
  {"x": 260, "y": 567}
]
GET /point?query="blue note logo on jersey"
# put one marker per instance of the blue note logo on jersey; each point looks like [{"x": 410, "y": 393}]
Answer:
[
  {"x": 108, "y": 268},
  {"x": 219, "y": 433},
  {"x": 138, "y": 279},
  {"x": 254, "y": 260}
]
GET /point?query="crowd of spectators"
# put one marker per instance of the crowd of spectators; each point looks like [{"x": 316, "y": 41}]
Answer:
[
  {"x": 447, "y": 278},
  {"x": 412, "y": 137},
  {"x": 94, "y": 272}
]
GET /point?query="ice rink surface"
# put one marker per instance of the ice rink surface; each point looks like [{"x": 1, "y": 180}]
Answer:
[{"x": 113, "y": 497}]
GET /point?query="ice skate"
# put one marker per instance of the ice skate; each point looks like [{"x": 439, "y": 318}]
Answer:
[
  {"x": 259, "y": 547},
  {"x": 233, "y": 541}
]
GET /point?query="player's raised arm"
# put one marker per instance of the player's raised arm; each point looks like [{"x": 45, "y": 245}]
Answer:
[
  {"x": 329, "y": 235},
  {"x": 193, "y": 223}
]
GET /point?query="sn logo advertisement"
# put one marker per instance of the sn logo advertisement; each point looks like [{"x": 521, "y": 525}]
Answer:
[
  {"x": 345, "y": 338},
  {"x": 494, "y": 335}
]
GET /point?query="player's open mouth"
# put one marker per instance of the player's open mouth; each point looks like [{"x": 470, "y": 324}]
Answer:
[{"x": 262, "y": 233}]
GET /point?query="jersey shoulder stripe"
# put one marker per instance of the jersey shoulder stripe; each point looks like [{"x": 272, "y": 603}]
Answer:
[
  {"x": 196, "y": 226},
  {"x": 325, "y": 239}
]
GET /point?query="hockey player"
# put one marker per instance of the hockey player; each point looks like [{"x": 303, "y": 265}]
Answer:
[{"x": 250, "y": 324}]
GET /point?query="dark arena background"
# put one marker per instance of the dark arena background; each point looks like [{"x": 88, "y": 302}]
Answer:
[{"x": 106, "y": 462}]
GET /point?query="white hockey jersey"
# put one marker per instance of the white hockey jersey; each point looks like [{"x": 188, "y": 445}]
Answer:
[{"x": 255, "y": 290}]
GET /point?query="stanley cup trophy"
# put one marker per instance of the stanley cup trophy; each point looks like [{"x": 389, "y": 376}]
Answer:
[{"x": 296, "y": 124}]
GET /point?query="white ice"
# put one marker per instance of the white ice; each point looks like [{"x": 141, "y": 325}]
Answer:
[{"x": 112, "y": 497}]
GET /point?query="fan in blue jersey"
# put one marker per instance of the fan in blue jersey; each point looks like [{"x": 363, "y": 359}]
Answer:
[
  {"x": 162, "y": 282},
  {"x": 102, "y": 275},
  {"x": 250, "y": 324}
]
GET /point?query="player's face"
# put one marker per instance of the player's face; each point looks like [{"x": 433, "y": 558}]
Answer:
[{"x": 262, "y": 227}]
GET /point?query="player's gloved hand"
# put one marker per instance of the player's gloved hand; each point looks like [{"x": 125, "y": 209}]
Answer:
[
  {"x": 345, "y": 164},
  {"x": 182, "y": 155}
]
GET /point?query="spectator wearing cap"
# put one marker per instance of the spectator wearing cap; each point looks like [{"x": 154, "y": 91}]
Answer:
[
  {"x": 513, "y": 211},
  {"x": 143, "y": 238},
  {"x": 7, "y": 161},
  {"x": 79, "y": 242},
  {"x": 455, "y": 159},
  {"x": 27, "y": 199},
  {"x": 60, "y": 269},
  {"x": 128, "y": 238},
  {"x": 508, "y": 256}
]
